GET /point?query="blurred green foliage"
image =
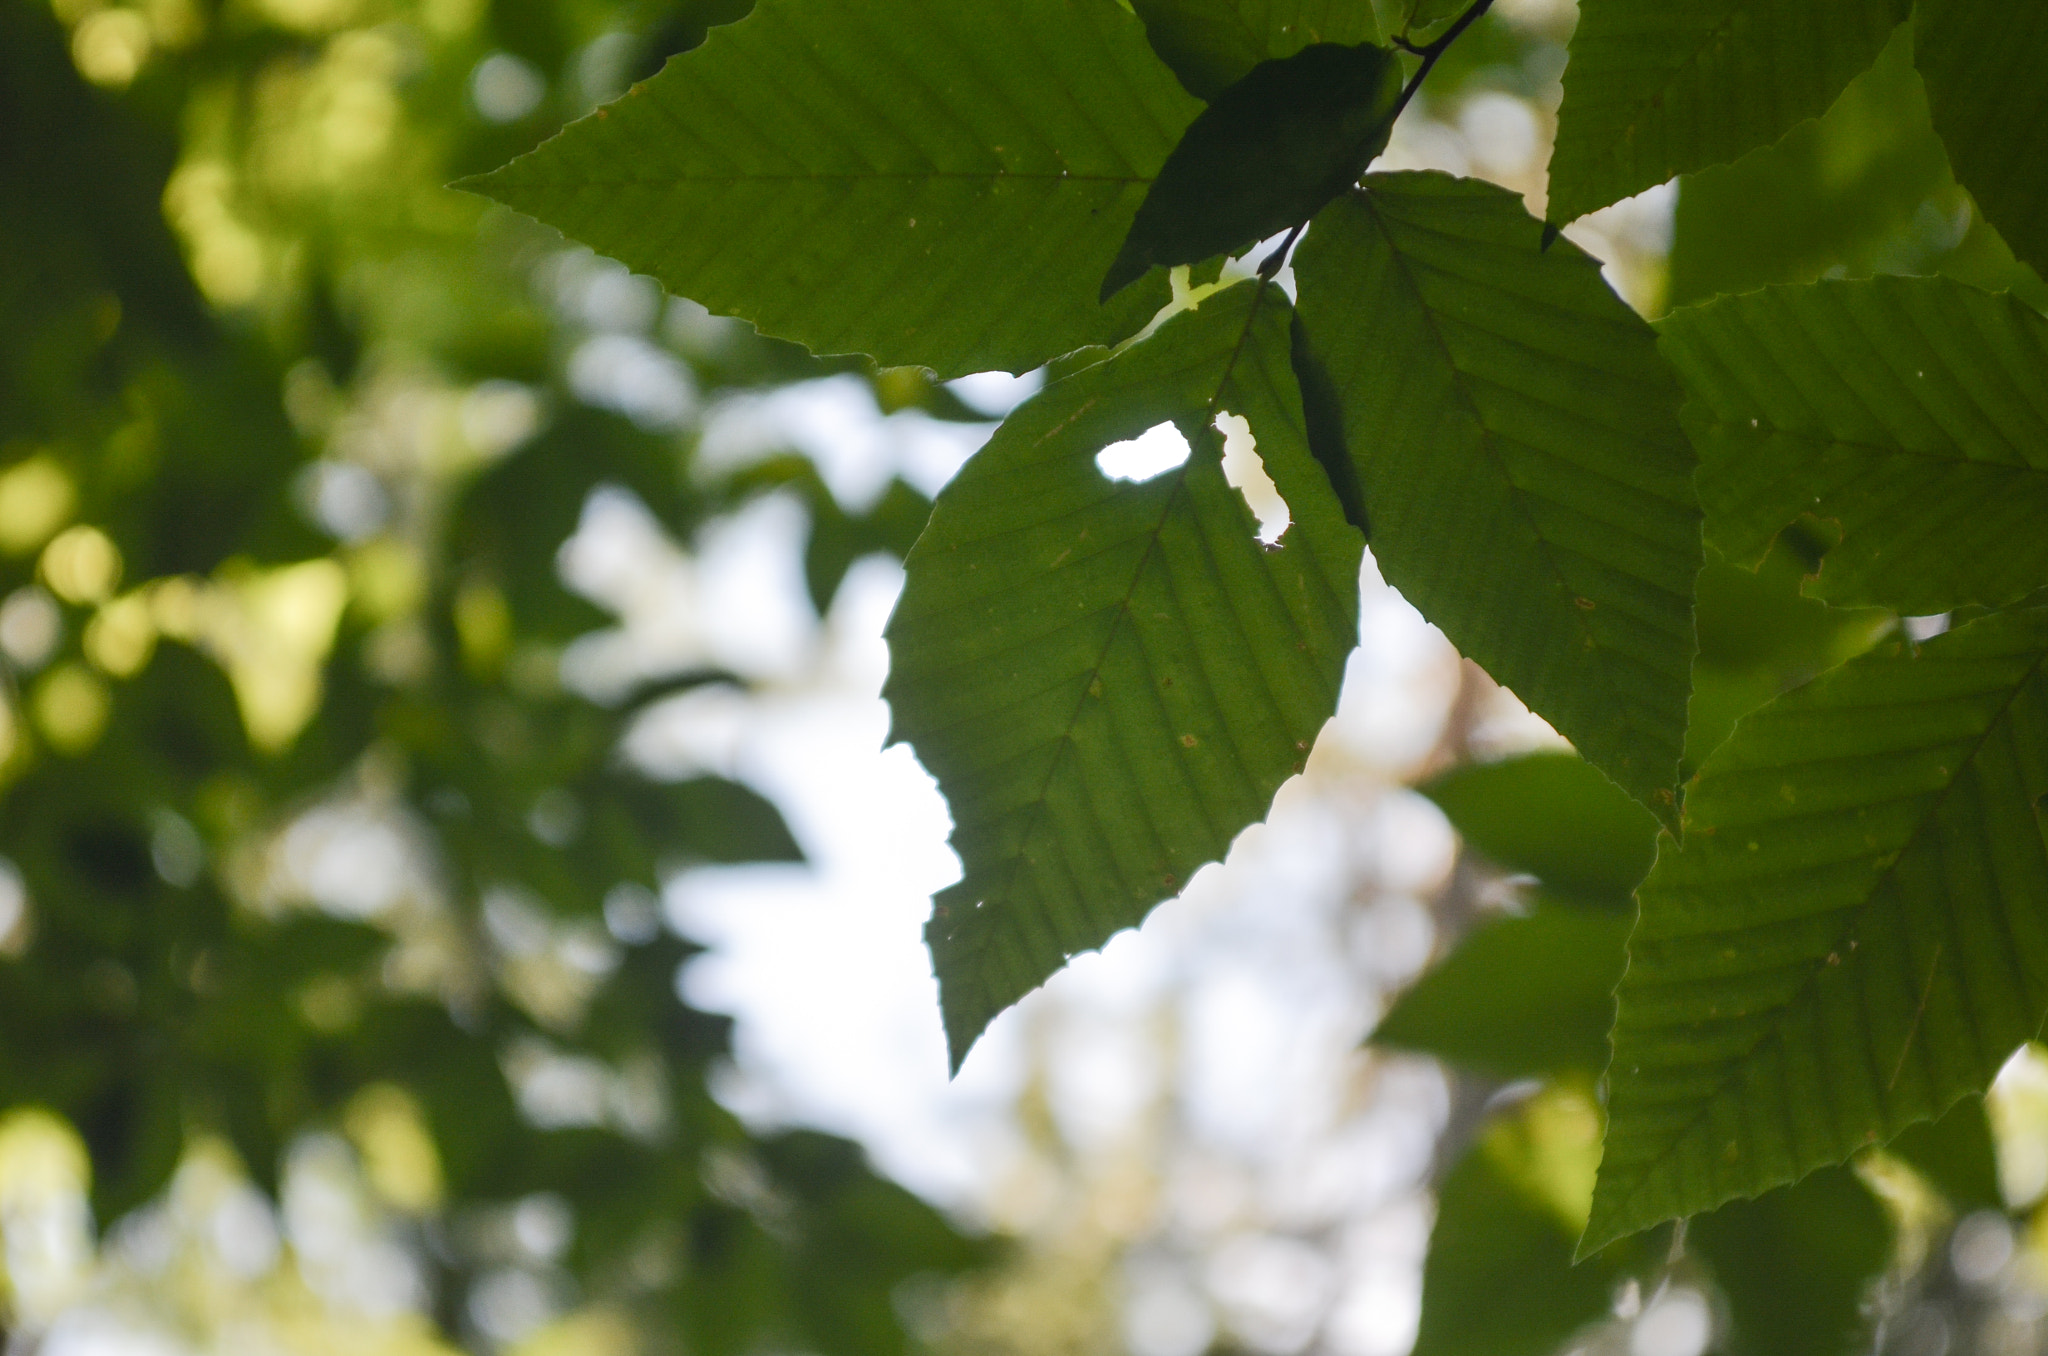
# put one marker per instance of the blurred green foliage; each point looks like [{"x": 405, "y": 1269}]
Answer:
[{"x": 286, "y": 457}]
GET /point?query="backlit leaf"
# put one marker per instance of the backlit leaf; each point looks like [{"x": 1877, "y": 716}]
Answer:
[
  {"x": 1908, "y": 415},
  {"x": 1657, "y": 88},
  {"x": 1110, "y": 679},
  {"x": 919, "y": 180},
  {"x": 1854, "y": 934},
  {"x": 1518, "y": 446}
]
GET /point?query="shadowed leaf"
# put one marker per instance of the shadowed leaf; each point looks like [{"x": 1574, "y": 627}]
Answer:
[
  {"x": 1982, "y": 62},
  {"x": 1518, "y": 998},
  {"x": 1212, "y": 44},
  {"x": 1270, "y": 151}
]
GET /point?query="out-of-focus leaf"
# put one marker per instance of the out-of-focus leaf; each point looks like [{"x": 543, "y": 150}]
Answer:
[
  {"x": 1266, "y": 155},
  {"x": 1212, "y": 44},
  {"x": 839, "y": 538},
  {"x": 1760, "y": 636},
  {"x": 1659, "y": 89},
  {"x": 1864, "y": 189},
  {"x": 1110, "y": 679},
  {"x": 1849, "y": 939},
  {"x": 1554, "y": 816},
  {"x": 1982, "y": 62},
  {"x": 721, "y": 820},
  {"x": 1795, "y": 1263},
  {"x": 1518, "y": 444},
  {"x": 1499, "y": 1279},
  {"x": 1519, "y": 997},
  {"x": 1908, "y": 415},
  {"x": 1956, "y": 1153},
  {"x": 957, "y": 216}
]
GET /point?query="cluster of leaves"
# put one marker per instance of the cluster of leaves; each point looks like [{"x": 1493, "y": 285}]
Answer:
[
  {"x": 156, "y": 988},
  {"x": 1843, "y": 932}
]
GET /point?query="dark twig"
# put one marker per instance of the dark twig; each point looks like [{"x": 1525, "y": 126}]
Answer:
[
  {"x": 1435, "y": 50},
  {"x": 1269, "y": 267}
]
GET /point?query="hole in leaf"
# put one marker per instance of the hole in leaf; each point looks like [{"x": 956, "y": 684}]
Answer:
[
  {"x": 1245, "y": 471},
  {"x": 1925, "y": 628},
  {"x": 1157, "y": 450}
]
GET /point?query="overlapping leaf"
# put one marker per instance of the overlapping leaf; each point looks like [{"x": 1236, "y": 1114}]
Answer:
[
  {"x": 1982, "y": 61},
  {"x": 1555, "y": 817},
  {"x": 1517, "y": 441},
  {"x": 1656, "y": 89},
  {"x": 1211, "y": 44},
  {"x": 1110, "y": 679},
  {"x": 1795, "y": 1265},
  {"x": 1264, "y": 157},
  {"x": 1521, "y": 997},
  {"x": 911, "y": 179},
  {"x": 1499, "y": 1279},
  {"x": 1854, "y": 934},
  {"x": 1908, "y": 415}
]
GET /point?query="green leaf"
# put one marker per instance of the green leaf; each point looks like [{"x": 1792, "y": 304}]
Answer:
[
  {"x": 1795, "y": 1264},
  {"x": 1658, "y": 88},
  {"x": 1110, "y": 679},
  {"x": 1518, "y": 444},
  {"x": 1519, "y": 998},
  {"x": 1956, "y": 1155},
  {"x": 1982, "y": 62},
  {"x": 1837, "y": 191},
  {"x": 920, "y": 180},
  {"x": 1212, "y": 44},
  {"x": 1908, "y": 415},
  {"x": 1852, "y": 935},
  {"x": 1265, "y": 156},
  {"x": 1499, "y": 1278},
  {"x": 1554, "y": 816}
]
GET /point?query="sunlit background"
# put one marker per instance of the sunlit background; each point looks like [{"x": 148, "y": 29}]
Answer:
[{"x": 1183, "y": 1133}]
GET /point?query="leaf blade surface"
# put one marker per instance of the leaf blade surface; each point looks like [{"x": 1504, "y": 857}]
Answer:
[
  {"x": 1518, "y": 446},
  {"x": 1265, "y": 156},
  {"x": 1854, "y": 933},
  {"x": 1659, "y": 88},
  {"x": 1910, "y": 415},
  {"x": 909, "y": 179},
  {"x": 1109, "y": 680},
  {"x": 1982, "y": 64},
  {"x": 1212, "y": 44}
]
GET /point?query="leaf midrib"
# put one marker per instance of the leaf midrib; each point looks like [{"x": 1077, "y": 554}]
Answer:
[
  {"x": 1859, "y": 911},
  {"x": 1036, "y": 810},
  {"x": 1488, "y": 436}
]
